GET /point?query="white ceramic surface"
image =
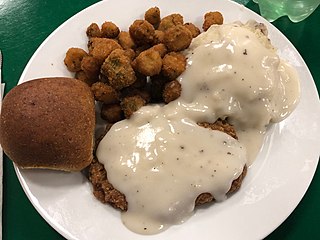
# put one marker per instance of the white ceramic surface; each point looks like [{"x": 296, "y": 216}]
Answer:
[{"x": 275, "y": 183}]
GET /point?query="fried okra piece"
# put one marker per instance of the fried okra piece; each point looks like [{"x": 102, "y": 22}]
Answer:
[
  {"x": 93, "y": 31},
  {"x": 112, "y": 113},
  {"x": 131, "y": 104},
  {"x": 109, "y": 30},
  {"x": 100, "y": 48},
  {"x": 142, "y": 32},
  {"x": 117, "y": 68},
  {"x": 211, "y": 18},
  {"x": 177, "y": 38},
  {"x": 158, "y": 37},
  {"x": 160, "y": 48},
  {"x": 152, "y": 15},
  {"x": 91, "y": 67},
  {"x": 173, "y": 64},
  {"x": 104, "y": 93},
  {"x": 82, "y": 76},
  {"x": 170, "y": 21},
  {"x": 148, "y": 62},
  {"x": 130, "y": 53},
  {"x": 195, "y": 31},
  {"x": 73, "y": 59},
  {"x": 126, "y": 41},
  {"x": 171, "y": 91}
]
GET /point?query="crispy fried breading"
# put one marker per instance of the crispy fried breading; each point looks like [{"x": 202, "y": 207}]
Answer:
[
  {"x": 126, "y": 41},
  {"x": 131, "y": 104},
  {"x": 171, "y": 91},
  {"x": 104, "y": 93},
  {"x": 148, "y": 62},
  {"x": 93, "y": 30},
  {"x": 152, "y": 15},
  {"x": 177, "y": 38},
  {"x": 173, "y": 64},
  {"x": 117, "y": 68},
  {"x": 170, "y": 21},
  {"x": 109, "y": 30},
  {"x": 142, "y": 32},
  {"x": 195, "y": 31},
  {"x": 211, "y": 18},
  {"x": 73, "y": 59},
  {"x": 100, "y": 48},
  {"x": 112, "y": 113}
]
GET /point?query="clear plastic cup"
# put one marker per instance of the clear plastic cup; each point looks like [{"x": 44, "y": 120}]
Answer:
[{"x": 296, "y": 10}]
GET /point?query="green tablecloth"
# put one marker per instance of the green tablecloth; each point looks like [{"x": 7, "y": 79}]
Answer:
[{"x": 24, "y": 24}]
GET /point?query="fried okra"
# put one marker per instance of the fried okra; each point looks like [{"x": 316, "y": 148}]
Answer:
[
  {"x": 91, "y": 67},
  {"x": 152, "y": 15},
  {"x": 171, "y": 91},
  {"x": 131, "y": 104},
  {"x": 126, "y": 41},
  {"x": 173, "y": 64},
  {"x": 177, "y": 38},
  {"x": 170, "y": 21},
  {"x": 148, "y": 62},
  {"x": 73, "y": 59},
  {"x": 142, "y": 32},
  {"x": 211, "y": 18},
  {"x": 195, "y": 31},
  {"x": 130, "y": 53},
  {"x": 112, "y": 113},
  {"x": 117, "y": 68},
  {"x": 100, "y": 48},
  {"x": 158, "y": 37},
  {"x": 160, "y": 48},
  {"x": 82, "y": 76},
  {"x": 128, "y": 69},
  {"x": 109, "y": 30},
  {"x": 104, "y": 93},
  {"x": 93, "y": 30}
]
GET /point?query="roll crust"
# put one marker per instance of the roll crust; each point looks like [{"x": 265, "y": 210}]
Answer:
[{"x": 49, "y": 123}]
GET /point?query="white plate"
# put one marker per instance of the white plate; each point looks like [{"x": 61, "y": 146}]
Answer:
[{"x": 275, "y": 184}]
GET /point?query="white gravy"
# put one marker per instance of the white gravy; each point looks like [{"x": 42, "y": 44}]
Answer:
[{"x": 162, "y": 160}]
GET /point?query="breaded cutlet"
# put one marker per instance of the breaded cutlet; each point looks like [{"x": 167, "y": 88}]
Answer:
[{"x": 106, "y": 193}]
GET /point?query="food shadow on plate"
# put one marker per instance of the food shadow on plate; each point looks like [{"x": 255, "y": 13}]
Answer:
[{"x": 52, "y": 178}]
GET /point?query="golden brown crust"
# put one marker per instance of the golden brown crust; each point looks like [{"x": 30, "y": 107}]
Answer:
[
  {"x": 109, "y": 30},
  {"x": 171, "y": 91},
  {"x": 49, "y": 123},
  {"x": 220, "y": 125},
  {"x": 170, "y": 21},
  {"x": 173, "y": 64},
  {"x": 177, "y": 38},
  {"x": 211, "y": 18},
  {"x": 236, "y": 184},
  {"x": 152, "y": 15},
  {"x": 103, "y": 189}
]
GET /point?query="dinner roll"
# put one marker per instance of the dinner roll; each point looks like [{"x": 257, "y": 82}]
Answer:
[{"x": 49, "y": 123}]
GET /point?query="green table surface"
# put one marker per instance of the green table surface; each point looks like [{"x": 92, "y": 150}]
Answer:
[{"x": 24, "y": 24}]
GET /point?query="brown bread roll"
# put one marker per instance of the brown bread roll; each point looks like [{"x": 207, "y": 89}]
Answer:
[{"x": 49, "y": 123}]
